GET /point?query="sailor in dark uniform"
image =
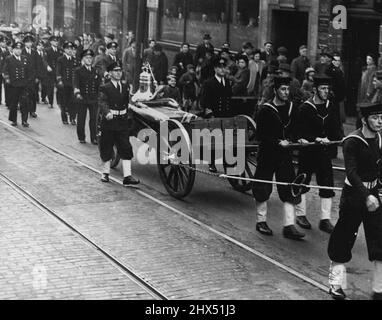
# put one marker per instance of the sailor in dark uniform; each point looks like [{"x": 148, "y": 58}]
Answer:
[
  {"x": 317, "y": 123},
  {"x": 216, "y": 97},
  {"x": 17, "y": 74},
  {"x": 86, "y": 85},
  {"x": 66, "y": 65},
  {"x": 111, "y": 56},
  {"x": 360, "y": 202},
  {"x": 32, "y": 87},
  {"x": 276, "y": 125},
  {"x": 113, "y": 102},
  {"x": 52, "y": 55},
  {"x": 4, "y": 53}
]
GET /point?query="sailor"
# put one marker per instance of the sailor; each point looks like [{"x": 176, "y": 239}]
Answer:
[
  {"x": 32, "y": 87},
  {"x": 86, "y": 84},
  {"x": 52, "y": 55},
  {"x": 66, "y": 65},
  {"x": 216, "y": 97},
  {"x": 276, "y": 126},
  {"x": 360, "y": 202},
  {"x": 317, "y": 123},
  {"x": 113, "y": 102},
  {"x": 17, "y": 74}
]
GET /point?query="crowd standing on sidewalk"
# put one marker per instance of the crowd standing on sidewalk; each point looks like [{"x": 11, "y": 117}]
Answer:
[{"x": 292, "y": 99}]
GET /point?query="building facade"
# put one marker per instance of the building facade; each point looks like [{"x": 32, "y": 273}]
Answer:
[
  {"x": 288, "y": 23},
  {"x": 72, "y": 16}
]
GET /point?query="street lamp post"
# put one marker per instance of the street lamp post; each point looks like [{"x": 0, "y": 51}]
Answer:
[{"x": 140, "y": 34}]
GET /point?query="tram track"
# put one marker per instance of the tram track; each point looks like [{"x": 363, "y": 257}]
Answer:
[{"x": 127, "y": 270}]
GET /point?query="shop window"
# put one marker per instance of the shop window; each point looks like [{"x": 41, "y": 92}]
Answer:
[
  {"x": 111, "y": 17},
  {"x": 66, "y": 17},
  {"x": 244, "y": 22},
  {"x": 24, "y": 13},
  {"x": 207, "y": 16},
  {"x": 41, "y": 14},
  {"x": 172, "y": 20}
]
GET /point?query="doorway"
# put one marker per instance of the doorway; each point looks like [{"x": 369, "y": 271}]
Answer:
[
  {"x": 289, "y": 29},
  {"x": 360, "y": 39}
]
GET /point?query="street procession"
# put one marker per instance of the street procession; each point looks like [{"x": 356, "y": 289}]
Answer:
[{"x": 190, "y": 150}]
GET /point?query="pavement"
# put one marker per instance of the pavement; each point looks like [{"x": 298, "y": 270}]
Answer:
[
  {"x": 212, "y": 202},
  {"x": 43, "y": 259}
]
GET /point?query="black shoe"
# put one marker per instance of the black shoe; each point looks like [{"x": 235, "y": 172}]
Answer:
[
  {"x": 65, "y": 122},
  {"x": 130, "y": 181},
  {"x": 326, "y": 226},
  {"x": 212, "y": 168},
  {"x": 82, "y": 141},
  {"x": 263, "y": 228},
  {"x": 33, "y": 114},
  {"x": 291, "y": 232},
  {"x": 337, "y": 294},
  {"x": 14, "y": 124},
  {"x": 73, "y": 122},
  {"x": 51, "y": 106},
  {"x": 95, "y": 142},
  {"x": 376, "y": 296},
  {"x": 105, "y": 178},
  {"x": 25, "y": 124},
  {"x": 303, "y": 222},
  {"x": 44, "y": 101}
]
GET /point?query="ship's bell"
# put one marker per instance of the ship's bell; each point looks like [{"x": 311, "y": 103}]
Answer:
[{"x": 144, "y": 93}]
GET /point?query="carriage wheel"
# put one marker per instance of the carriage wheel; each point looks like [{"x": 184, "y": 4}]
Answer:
[
  {"x": 250, "y": 161},
  {"x": 177, "y": 177}
]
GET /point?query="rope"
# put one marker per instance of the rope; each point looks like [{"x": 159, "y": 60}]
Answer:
[{"x": 224, "y": 176}]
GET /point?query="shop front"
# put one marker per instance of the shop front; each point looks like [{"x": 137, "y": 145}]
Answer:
[
  {"x": 73, "y": 17},
  {"x": 233, "y": 21}
]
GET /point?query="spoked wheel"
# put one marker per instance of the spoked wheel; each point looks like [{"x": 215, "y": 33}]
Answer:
[
  {"x": 249, "y": 172},
  {"x": 250, "y": 160},
  {"x": 176, "y": 172}
]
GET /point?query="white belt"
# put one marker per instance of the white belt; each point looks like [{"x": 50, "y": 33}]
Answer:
[
  {"x": 118, "y": 113},
  {"x": 368, "y": 185}
]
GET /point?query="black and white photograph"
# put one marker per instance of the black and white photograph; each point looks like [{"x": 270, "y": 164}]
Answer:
[{"x": 190, "y": 155}]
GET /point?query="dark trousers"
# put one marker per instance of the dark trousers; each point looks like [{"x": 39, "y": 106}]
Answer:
[
  {"x": 18, "y": 95},
  {"x": 81, "y": 119},
  {"x": 44, "y": 90},
  {"x": 317, "y": 160},
  {"x": 7, "y": 94},
  {"x": 268, "y": 165},
  {"x": 1, "y": 88},
  {"x": 32, "y": 97},
  {"x": 353, "y": 212},
  {"x": 49, "y": 85},
  {"x": 65, "y": 98},
  {"x": 115, "y": 133}
]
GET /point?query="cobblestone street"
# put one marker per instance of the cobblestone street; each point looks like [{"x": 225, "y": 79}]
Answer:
[{"x": 177, "y": 257}]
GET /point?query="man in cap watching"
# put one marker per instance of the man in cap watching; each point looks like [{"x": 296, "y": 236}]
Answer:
[
  {"x": 276, "y": 126},
  {"x": 86, "y": 86},
  {"x": 316, "y": 124},
  {"x": 66, "y": 65},
  {"x": 52, "y": 55},
  {"x": 202, "y": 48},
  {"x": 360, "y": 202},
  {"x": 300, "y": 64},
  {"x": 113, "y": 100},
  {"x": 17, "y": 74}
]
